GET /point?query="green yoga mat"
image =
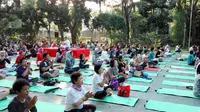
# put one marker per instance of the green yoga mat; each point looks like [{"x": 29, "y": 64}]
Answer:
[
  {"x": 137, "y": 79},
  {"x": 49, "y": 107},
  {"x": 35, "y": 75},
  {"x": 12, "y": 73},
  {"x": 183, "y": 67},
  {"x": 175, "y": 83},
  {"x": 128, "y": 101},
  {"x": 62, "y": 92},
  {"x": 84, "y": 73},
  {"x": 176, "y": 92},
  {"x": 180, "y": 64},
  {"x": 41, "y": 89},
  {"x": 6, "y": 83},
  {"x": 138, "y": 87},
  {"x": 4, "y": 103},
  {"x": 179, "y": 77},
  {"x": 170, "y": 107},
  {"x": 37, "y": 88},
  {"x": 162, "y": 63},
  {"x": 181, "y": 71},
  {"x": 62, "y": 78},
  {"x": 153, "y": 74}
]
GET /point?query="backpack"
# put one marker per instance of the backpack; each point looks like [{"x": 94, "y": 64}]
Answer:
[
  {"x": 114, "y": 82},
  {"x": 124, "y": 91}
]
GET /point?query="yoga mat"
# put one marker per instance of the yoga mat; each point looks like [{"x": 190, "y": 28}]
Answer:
[
  {"x": 128, "y": 101},
  {"x": 84, "y": 72},
  {"x": 180, "y": 64},
  {"x": 180, "y": 77},
  {"x": 6, "y": 83},
  {"x": 153, "y": 74},
  {"x": 60, "y": 92},
  {"x": 49, "y": 107},
  {"x": 182, "y": 67},
  {"x": 35, "y": 75},
  {"x": 175, "y": 83},
  {"x": 4, "y": 103},
  {"x": 87, "y": 73},
  {"x": 176, "y": 92},
  {"x": 138, "y": 87},
  {"x": 162, "y": 63},
  {"x": 152, "y": 69},
  {"x": 181, "y": 71},
  {"x": 170, "y": 107},
  {"x": 137, "y": 79},
  {"x": 62, "y": 78},
  {"x": 12, "y": 73},
  {"x": 41, "y": 89}
]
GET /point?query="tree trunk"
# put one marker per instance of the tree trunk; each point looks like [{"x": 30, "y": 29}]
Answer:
[
  {"x": 61, "y": 32},
  {"x": 49, "y": 33},
  {"x": 73, "y": 36}
]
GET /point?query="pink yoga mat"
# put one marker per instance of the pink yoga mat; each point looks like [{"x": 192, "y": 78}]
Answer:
[{"x": 152, "y": 69}]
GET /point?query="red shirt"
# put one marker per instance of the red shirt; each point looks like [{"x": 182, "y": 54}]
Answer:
[
  {"x": 39, "y": 58},
  {"x": 18, "y": 59},
  {"x": 53, "y": 45}
]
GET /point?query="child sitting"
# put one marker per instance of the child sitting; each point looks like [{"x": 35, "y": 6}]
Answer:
[{"x": 191, "y": 59}]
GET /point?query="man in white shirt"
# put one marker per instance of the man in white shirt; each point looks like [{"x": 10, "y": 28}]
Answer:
[{"x": 67, "y": 43}]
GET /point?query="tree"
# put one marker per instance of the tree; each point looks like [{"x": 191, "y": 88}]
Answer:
[
  {"x": 113, "y": 24},
  {"x": 78, "y": 14}
]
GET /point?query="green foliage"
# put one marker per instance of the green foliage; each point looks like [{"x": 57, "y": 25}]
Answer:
[
  {"x": 177, "y": 26},
  {"x": 112, "y": 23}
]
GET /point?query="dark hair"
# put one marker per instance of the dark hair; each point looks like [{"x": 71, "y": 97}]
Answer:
[
  {"x": 191, "y": 52},
  {"x": 133, "y": 54},
  {"x": 74, "y": 77},
  {"x": 120, "y": 57},
  {"x": 21, "y": 60},
  {"x": 152, "y": 48},
  {"x": 145, "y": 51},
  {"x": 97, "y": 67},
  {"x": 59, "y": 50},
  {"x": 45, "y": 54},
  {"x": 81, "y": 56},
  {"x": 19, "y": 84},
  {"x": 112, "y": 63}
]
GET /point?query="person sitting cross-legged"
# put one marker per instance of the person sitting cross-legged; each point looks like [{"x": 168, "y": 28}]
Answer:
[
  {"x": 24, "y": 70},
  {"x": 99, "y": 79},
  {"x": 83, "y": 62},
  {"x": 69, "y": 63},
  {"x": 45, "y": 67},
  {"x": 76, "y": 96}
]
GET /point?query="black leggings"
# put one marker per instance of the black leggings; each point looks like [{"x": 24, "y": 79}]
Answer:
[
  {"x": 70, "y": 71},
  {"x": 121, "y": 79},
  {"x": 85, "y": 66},
  {"x": 102, "y": 94},
  {"x": 86, "y": 108},
  {"x": 192, "y": 63}
]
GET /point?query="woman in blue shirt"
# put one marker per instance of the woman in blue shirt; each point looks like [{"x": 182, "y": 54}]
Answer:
[
  {"x": 69, "y": 63},
  {"x": 191, "y": 59}
]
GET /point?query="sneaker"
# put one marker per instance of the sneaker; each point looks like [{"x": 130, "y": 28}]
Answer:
[{"x": 109, "y": 92}]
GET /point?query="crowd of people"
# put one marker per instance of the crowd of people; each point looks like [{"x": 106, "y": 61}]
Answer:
[{"x": 120, "y": 58}]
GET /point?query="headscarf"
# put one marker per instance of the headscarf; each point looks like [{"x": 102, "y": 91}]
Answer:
[{"x": 69, "y": 57}]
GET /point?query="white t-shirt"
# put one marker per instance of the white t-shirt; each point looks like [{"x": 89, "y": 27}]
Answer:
[
  {"x": 97, "y": 79},
  {"x": 191, "y": 49},
  {"x": 144, "y": 56},
  {"x": 72, "y": 97},
  {"x": 67, "y": 43},
  {"x": 104, "y": 55},
  {"x": 177, "y": 47}
]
